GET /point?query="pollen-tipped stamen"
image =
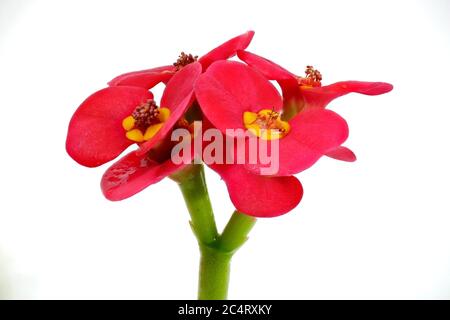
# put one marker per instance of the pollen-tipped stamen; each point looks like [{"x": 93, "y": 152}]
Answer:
[
  {"x": 312, "y": 78},
  {"x": 145, "y": 121},
  {"x": 145, "y": 115},
  {"x": 266, "y": 124},
  {"x": 184, "y": 59}
]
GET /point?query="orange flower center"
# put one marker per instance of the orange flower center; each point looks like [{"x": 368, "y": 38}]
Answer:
[
  {"x": 266, "y": 124},
  {"x": 145, "y": 121}
]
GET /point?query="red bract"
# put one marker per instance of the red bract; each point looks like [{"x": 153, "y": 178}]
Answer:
[
  {"x": 149, "y": 78},
  {"x": 234, "y": 96},
  {"x": 260, "y": 196},
  {"x": 305, "y": 93},
  {"x": 133, "y": 173},
  {"x": 113, "y": 118},
  {"x": 95, "y": 132},
  {"x": 257, "y": 195}
]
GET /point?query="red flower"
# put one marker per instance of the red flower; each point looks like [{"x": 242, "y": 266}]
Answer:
[
  {"x": 234, "y": 96},
  {"x": 96, "y": 132},
  {"x": 231, "y": 94},
  {"x": 305, "y": 93},
  {"x": 113, "y": 118},
  {"x": 151, "y": 77}
]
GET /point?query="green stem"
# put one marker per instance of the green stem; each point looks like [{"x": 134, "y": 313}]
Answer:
[
  {"x": 214, "y": 273},
  {"x": 215, "y": 260},
  {"x": 216, "y": 251},
  {"x": 193, "y": 186},
  {"x": 236, "y": 232}
]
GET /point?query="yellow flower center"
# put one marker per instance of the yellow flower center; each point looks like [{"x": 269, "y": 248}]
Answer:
[
  {"x": 145, "y": 121},
  {"x": 266, "y": 124}
]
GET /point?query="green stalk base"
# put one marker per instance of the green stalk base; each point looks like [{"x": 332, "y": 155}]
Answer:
[
  {"x": 216, "y": 250},
  {"x": 214, "y": 274}
]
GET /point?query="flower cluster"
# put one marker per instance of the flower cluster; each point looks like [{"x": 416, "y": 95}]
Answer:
[{"x": 222, "y": 94}]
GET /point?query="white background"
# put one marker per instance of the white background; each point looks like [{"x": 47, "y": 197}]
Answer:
[{"x": 377, "y": 228}]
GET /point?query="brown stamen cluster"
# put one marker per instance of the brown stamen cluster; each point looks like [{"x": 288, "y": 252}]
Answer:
[
  {"x": 314, "y": 75},
  {"x": 269, "y": 121},
  {"x": 183, "y": 60},
  {"x": 146, "y": 115}
]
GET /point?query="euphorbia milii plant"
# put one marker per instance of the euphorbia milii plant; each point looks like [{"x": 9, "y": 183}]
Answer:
[{"x": 235, "y": 103}]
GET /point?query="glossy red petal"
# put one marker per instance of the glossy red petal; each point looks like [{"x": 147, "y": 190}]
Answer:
[
  {"x": 260, "y": 196},
  {"x": 269, "y": 69},
  {"x": 132, "y": 174},
  {"x": 342, "y": 153},
  {"x": 313, "y": 133},
  {"x": 228, "y": 89},
  {"x": 145, "y": 78},
  {"x": 320, "y": 97},
  {"x": 95, "y": 134},
  {"x": 177, "y": 97},
  {"x": 227, "y": 49},
  {"x": 255, "y": 195},
  {"x": 272, "y": 71}
]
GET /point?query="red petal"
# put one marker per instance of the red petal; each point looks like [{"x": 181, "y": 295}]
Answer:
[
  {"x": 132, "y": 174},
  {"x": 177, "y": 97},
  {"x": 313, "y": 133},
  {"x": 95, "y": 133},
  {"x": 228, "y": 89},
  {"x": 145, "y": 78},
  {"x": 227, "y": 49},
  {"x": 252, "y": 194},
  {"x": 260, "y": 196},
  {"x": 272, "y": 71},
  {"x": 269, "y": 69},
  {"x": 342, "y": 153},
  {"x": 319, "y": 97}
]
